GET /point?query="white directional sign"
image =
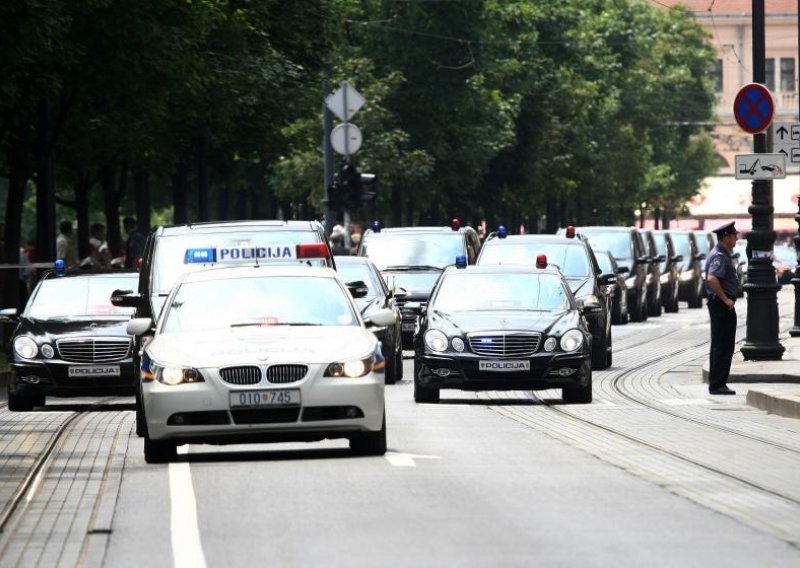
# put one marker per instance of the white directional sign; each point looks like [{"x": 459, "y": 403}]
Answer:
[
  {"x": 760, "y": 166},
  {"x": 346, "y": 139},
  {"x": 786, "y": 141},
  {"x": 345, "y": 102}
]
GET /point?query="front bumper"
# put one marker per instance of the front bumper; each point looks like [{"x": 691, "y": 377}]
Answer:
[
  {"x": 51, "y": 377},
  {"x": 461, "y": 371},
  {"x": 201, "y": 412}
]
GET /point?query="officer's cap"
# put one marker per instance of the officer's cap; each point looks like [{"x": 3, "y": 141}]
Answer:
[{"x": 726, "y": 229}]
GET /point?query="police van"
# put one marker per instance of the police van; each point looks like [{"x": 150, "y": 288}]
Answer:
[{"x": 173, "y": 251}]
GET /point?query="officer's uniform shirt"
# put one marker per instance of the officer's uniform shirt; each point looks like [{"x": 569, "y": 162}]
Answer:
[{"x": 720, "y": 264}]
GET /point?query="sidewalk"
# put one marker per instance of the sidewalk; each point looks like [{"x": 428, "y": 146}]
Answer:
[{"x": 778, "y": 382}]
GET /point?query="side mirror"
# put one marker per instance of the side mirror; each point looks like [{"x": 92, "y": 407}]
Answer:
[
  {"x": 677, "y": 258},
  {"x": 644, "y": 260},
  {"x": 357, "y": 288},
  {"x": 381, "y": 317},
  {"x": 608, "y": 279},
  {"x": 701, "y": 256},
  {"x": 125, "y": 299},
  {"x": 588, "y": 307},
  {"x": 622, "y": 269},
  {"x": 139, "y": 326},
  {"x": 737, "y": 255},
  {"x": 661, "y": 258},
  {"x": 9, "y": 315}
]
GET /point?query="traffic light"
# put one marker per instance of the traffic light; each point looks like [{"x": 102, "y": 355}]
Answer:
[{"x": 351, "y": 186}]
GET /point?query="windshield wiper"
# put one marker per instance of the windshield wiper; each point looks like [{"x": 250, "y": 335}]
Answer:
[
  {"x": 264, "y": 324},
  {"x": 415, "y": 267}
]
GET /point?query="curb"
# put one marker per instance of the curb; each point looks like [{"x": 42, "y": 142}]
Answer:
[
  {"x": 789, "y": 375},
  {"x": 782, "y": 403}
]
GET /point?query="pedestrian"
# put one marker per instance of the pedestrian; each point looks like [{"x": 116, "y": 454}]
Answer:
[
  {"x": 721, "y": 288},
  {"x": 338, "y": 247},
  {"x": 356, "y": 239},
  {"x": 98, "y": 247},
  {"x": 134, "y": 246},
  {"x": 64, "y": 243}
]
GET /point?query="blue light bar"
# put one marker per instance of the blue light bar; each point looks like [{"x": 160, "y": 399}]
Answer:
[
  {"x": 461, "y": 261},
  {"x": 200, "y": 256},
  {"x": 376, "y": 226},
  {"x": 60, "y": 266},
  {"x": 502, "y": 232}
]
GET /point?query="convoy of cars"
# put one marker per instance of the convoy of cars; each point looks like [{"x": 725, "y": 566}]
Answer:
[{"x": 237, "y": 332}]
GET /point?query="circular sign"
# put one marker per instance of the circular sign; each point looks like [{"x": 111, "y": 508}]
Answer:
[
  {"x": 753, "y": 108},
  {"x": 346, "y": 139}
]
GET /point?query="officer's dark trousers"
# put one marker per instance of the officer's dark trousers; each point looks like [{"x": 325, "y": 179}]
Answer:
[{"x": 723, "y": 340}]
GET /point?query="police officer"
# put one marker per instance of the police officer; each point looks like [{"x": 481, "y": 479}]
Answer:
[{"x": 721, "y": 287}]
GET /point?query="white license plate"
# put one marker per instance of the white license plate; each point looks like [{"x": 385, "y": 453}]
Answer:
[
  {"x": 264, "y": 398},
  {"x": 94, "y": 371},
  {"x": 408, "y": 326},
  {"x": 504, "y": 366}
]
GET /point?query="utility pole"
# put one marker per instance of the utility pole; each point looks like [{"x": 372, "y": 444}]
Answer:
[
  {"x": 327, "y": 126},
  {"x": 795, "y": 331},
  {"x": 761, "y": 342}
]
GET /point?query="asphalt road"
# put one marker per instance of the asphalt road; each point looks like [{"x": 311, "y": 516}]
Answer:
[{"x": 654, "y": 473}]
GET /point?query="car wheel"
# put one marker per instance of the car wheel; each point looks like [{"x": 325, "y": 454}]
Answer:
[
  {"x": 600, "y": 354},
  {"x": 654, "y": 308},
  {"x": 159, "y": 451},
  {"x": 370, "y": 443},
  {"x": 140, "y": 429},
  {"x": 390, "y": 376},
  {"x": 696, "y": 301},
  {"x": 423, "y": 393},
  {"x": 399, "y": 365},
  {"x": 19, "y": 403},
  {"x": 578, "y": 394}
]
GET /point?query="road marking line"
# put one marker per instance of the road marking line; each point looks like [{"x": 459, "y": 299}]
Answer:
[
  {"x": 187, "y": 550},
  {"x": 398, "y": 459}
]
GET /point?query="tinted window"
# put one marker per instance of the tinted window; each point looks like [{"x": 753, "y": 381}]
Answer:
[
  {"x": 79, "y": 297},
  {"x": 702, "y": 243},
  {"x": 258, "y": 302},
  {"x": 570, "y": 258},
  {"x": 462, "y": 291},
  {"x": 618, "y": 243},
  {"x": 350, "y": 272},
  {"x": 604, "y": 261},
  {"x": 430, "y": 249}
]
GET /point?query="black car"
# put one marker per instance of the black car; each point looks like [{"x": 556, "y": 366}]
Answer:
[
  {"x": 172, "y": 251},
  {"x": 378, "y": 295},
  {"x": 576, "y": 261},
  {"x": 619, "y": 291},
  {"x": 690, "y": 275},
  {"x": 413, "y": 258},
  {"x": 628, "y": 248},
  {"x": 670, "y": 270},
  {"x": 69, "y": 339},
  {"x": 502, "y": 328},
  {"x": 705, "y": 243},
  {"x": 654, "y": 306}
]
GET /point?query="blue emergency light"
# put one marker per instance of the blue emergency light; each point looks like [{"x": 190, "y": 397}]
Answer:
[
  {"x": 376, "y": 226},
  {"x": 502, "y": 232},
  {"x": 461, "y": 261},
  {"x": 200, "y": 256},
  {"x": 60, "y": 266}
]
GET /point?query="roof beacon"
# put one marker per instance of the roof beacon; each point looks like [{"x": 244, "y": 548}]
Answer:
[
  {"x": 60, "y": 266},
  {"x": 541, "y": 261},
  {"x": 461, "y": 261},
  {"x": 455, "y": 224},
  {"x": 570, "y": 232},
  {"x": 376, "y": 226},
  {"x": 313, "y": 250},
  {"x": 502, "y": 232}
]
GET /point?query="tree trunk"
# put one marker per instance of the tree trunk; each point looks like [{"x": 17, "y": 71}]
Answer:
[
  {"x": 241, "y": 205},
  {"x": 180, "y": 191},
  {"x": 111, "y": 209},
  {"x": 397, "y": 207},
  {"x": 45, "y": 187},
  {"x": 551, "y": 224},
  {"x": 202, "y": 179},
  {"x": 141, "y": 194},
  {"x": 224, "y": 195},
  {"x": 81, "y": 190},
  {"x": 9, "y": 278}
]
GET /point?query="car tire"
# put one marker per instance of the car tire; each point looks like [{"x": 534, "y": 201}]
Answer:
[
  {"x": 600, "y": 358},
  {"x": 578, "y": 394},
  {"x": 20, "y": 403},
  {"x": 696, "y": 301},
  {"x": 159, "y": 451},
  {"x": 654, "y": 308},
  {"x": 399, "y": 365},
  {"x": 370, "y": 443},
  {"x": 423, "y": 393},
  {"x": 390, "y": 376},
  {"x": 140, "y": 427}
]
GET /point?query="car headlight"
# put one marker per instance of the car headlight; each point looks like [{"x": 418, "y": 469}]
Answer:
[
  {"x": 352, "y": 368},
  {"x": 572, "y": 340},
  {"x": 458, "y": 344},
  {"x": 686, "y": 275},
  {"x": 25, "y": 347},
  {"x": 550, "y": 343},
  {"x": 435, "y": 340},
  {"x": 630, "y": 282},
  {"x": 176, "y": 375},
  {"x": 48, "y": 351}
]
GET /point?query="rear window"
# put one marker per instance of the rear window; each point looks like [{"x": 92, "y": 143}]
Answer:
[
  {"x": 571, "y": 259},
  {"x": 424, "y": 249},
  {"x": 618, "y": 243}
]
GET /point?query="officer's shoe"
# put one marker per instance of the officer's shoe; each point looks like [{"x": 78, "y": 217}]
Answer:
[{"x": 721, "y": 390}]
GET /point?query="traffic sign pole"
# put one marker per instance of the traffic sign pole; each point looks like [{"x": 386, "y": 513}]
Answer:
[{"x": 795, "y": 331}]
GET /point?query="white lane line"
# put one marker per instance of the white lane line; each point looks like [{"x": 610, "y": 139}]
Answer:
[
  {"x": 398, "y": 459},
  {"x": 187, "y": 550}
]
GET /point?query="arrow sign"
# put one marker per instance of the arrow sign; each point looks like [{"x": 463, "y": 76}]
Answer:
[
  {"x": 345, "y": 102},
  {"x": 787, "y": 141}
]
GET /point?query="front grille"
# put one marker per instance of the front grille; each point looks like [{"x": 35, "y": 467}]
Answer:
[
  {"x": 246, "y": 375},
  {"x": 265, "y": 416},
  {"x": 502, "y": 344},
  {"x": 286, "y": 373},
  {"x": 93, "y": 349}
]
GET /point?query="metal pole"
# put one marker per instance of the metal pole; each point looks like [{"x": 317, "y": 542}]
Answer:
[
  {"x": 761, "y": 342},
  {"x": 327, "y": 126},
  {"x": 795, "y": 331}
]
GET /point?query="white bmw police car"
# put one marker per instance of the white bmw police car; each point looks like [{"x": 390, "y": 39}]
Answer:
[{"x": 261, "y": 354}]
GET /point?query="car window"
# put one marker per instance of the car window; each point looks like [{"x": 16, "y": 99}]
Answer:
[
  {"x": 604, "y": 261},
  {"x": 259, "y": 301},
  {"x": 170, "y": 251},
  {"x": 571, "y": 259},
  {"x": 350, "y": 272},
  {"x": 702, "y": 243},
  {"x": 430, "y": 249},
  {"x": 618, "y": 243},
  {"x": 79, "y": 297},
  {"x": 462, "y": 291}
]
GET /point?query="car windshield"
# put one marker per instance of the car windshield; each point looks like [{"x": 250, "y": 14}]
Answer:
[
  {"x": 604, "y": 261},
  {"x": 683, "y": 245},
  {"x": 258, "y": 301},
  {"x": 351, "y": 272},
  {"x": 80, "y": 297},
  {"x": 617, "y": 242},
  {"x": 702, "y": 243},
  {"x": 170, "y": 254},
  {"x": 661, "y": 243},
  {"x": 570, "y": 258},
  {"x": 470, "y": 291},
  {"x": 424, "y": 249},
  {"x": 786, "y": 255}
]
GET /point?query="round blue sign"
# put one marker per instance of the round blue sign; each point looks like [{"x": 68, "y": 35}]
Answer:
[{"x": 753, "y": 108}]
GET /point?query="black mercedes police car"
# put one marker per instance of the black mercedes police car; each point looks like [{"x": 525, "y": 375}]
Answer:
[
  {"x": 573, "y": 256},
  {"x": 378, "y": 296},
  {"x": 172, "y": 251},
  {"x": 413, "y": 258},
  {"x": 69, "y": 339},
  {"x": 503, "y": 328}
]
